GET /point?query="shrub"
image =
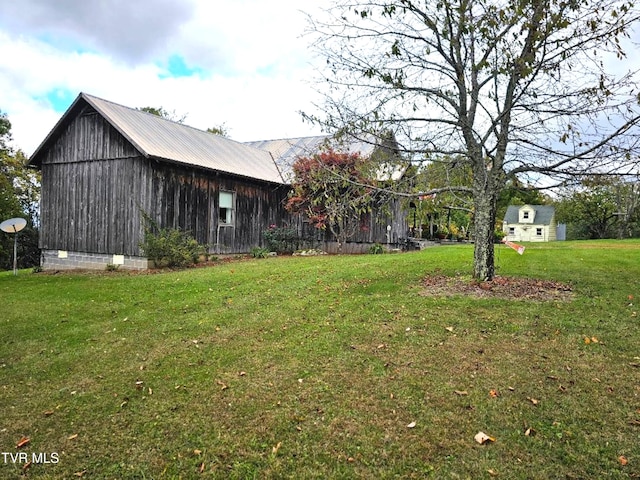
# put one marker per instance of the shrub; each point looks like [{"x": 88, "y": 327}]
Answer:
[
  {"x": 376, "y": 249},
  {"x": 259, "y": 252},
  {"x": 281, "y": 239},
  {"x": 170, "y": 247}
]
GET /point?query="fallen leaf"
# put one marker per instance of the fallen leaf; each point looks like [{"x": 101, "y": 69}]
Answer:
[
  {"x": 26, "y": 466},
  {"x": 622, "y": 460},
  {"x": 483, "y": 438},
  {"x": 533, "y": 400},
  {"x": 529, "y": 432},
  {"x": 72, "y": 437},
  {"x": 48, "y": 413},
  {"x": 242, "y": 374},
  {"x": 201, "y": 469},
  {"x": 461, "y": 392},
  {"x": 449, "y": 329},
  {"x": 411, "y": 425},
  {"x": 23, "y": 441},
  {"x": 493, "y": 393},
  {"x": 80, "y": 474},
  {"x": 587, "y": 340},
  {"x": 223, "y": 386},
  {"x": 197, "y": 452},
  {"x": 275, "y": 449},
  {"x": 492, "y": 472}
]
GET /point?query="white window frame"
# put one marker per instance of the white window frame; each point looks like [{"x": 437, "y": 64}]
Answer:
[
  {"x": 226, "y": 202},
  {"x": 539, "y": 231}
]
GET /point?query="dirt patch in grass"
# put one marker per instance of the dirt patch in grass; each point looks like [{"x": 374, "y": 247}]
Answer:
[{"x": 509, "y": 288}]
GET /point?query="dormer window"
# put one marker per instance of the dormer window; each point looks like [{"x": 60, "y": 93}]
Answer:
[{"x": 526, "y": 215}]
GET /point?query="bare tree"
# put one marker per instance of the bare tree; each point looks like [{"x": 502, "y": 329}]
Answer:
[{"x": 528, "y": 89}]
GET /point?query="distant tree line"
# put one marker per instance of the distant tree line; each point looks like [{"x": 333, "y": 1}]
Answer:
[
  {"x": 19, "y": 197},
  {"x": 601, "y": 207}
]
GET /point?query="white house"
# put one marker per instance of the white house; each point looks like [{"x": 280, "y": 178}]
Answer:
[{"x": 530, "y": 223}]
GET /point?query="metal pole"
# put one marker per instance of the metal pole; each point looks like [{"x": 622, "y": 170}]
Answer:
[{"x": 15, "y": 253}]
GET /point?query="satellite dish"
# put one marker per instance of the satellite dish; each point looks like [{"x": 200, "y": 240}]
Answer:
[{"x": 13, "y": 225}]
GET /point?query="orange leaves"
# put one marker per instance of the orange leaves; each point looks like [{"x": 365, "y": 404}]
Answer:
[
  {"x": 23, "y": 441},
  {"x": 622, "y": 460}
]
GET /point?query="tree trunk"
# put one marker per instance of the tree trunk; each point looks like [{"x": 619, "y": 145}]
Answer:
[{"x": 484, "y": 220}]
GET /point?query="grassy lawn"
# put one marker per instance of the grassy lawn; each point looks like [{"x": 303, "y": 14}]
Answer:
[{"x": 325, "y": 367}]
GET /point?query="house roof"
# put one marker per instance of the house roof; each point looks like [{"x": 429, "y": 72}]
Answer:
[
  {"x": 287, "y": 150},
  {"x": 543, "y": 214},
  {"x": 159, "y": 138}
]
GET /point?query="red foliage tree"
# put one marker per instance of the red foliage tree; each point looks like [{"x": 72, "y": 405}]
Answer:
[{"x": 335, "y": 191}]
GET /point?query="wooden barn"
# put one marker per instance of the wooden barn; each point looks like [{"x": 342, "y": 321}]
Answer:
[{"x": 104, "y": 166}]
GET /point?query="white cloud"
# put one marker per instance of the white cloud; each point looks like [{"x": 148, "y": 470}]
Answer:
[{"x": 254, "y": 69}]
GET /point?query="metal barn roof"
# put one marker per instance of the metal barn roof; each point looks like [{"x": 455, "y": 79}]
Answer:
[{"x": 160, "y": 138}]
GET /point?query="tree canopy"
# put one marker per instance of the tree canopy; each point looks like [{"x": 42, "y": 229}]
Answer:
[
  {"x": 19, "y": 197},
  {"x": 161, "y": 112},
  {"x": 514, "y": 89}
]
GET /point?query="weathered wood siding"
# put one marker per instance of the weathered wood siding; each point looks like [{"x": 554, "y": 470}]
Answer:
[
  {"x": 89, "y": 137},
  {"x": 375, "y": 224},
  {"x": 92, "y": 206},
  {"x": 91, "y": 180},
  {"x": 188, "y": 200}
]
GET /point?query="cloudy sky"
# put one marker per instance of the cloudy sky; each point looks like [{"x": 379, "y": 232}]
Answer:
[{"x": 241, "y": 63}]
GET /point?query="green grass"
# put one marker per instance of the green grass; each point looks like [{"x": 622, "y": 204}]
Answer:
[{"x": 313, "y": 368}]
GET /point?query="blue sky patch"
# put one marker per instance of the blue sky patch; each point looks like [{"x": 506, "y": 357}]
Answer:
[
  {"x": 60, "y": 99},
  {"x": 176, "y": 67},
  {"x": 64, "y": 43}
]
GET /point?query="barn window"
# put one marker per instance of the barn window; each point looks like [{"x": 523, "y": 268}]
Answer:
[{"x": 225, "y": 214}]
